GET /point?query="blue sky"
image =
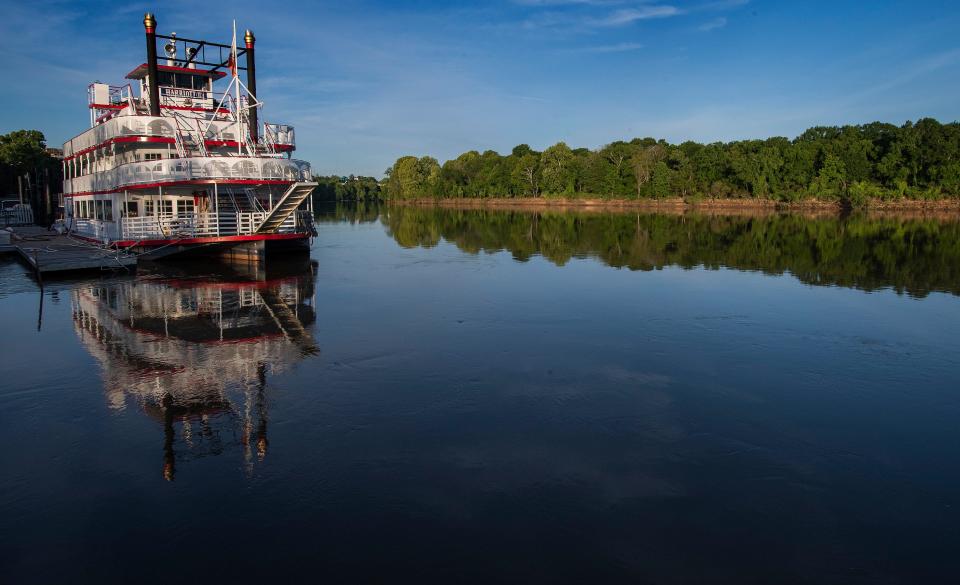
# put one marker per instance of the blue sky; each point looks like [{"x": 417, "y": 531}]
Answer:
[{"x": 366, "y": 82}]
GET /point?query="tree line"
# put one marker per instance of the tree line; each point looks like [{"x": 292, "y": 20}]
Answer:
[
  {"x": 352, "y": 188},
  {"x": 851, "y": 164}
]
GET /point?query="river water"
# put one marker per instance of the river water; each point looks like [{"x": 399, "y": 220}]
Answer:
[{"x": 490, "y": 396}]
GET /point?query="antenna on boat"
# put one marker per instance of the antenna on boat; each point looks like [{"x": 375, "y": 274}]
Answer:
[{"x": 247, "y": 107}]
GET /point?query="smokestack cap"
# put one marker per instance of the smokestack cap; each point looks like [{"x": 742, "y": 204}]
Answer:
[
  {"x": 149, "y": 22},
  {"x": 249, "y": 38}
]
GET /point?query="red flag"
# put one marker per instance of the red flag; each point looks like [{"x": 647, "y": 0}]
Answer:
[{"x": 233, "y": 50}]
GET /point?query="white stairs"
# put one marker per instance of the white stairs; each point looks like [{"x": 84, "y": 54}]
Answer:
[
  {"x": 187, "y": 137},
  {"x": 286, "y": 206}
]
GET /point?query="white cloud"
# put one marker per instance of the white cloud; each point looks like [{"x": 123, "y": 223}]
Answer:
[
  {"x": 714, "y": 24},
  {"x": 617, "y": 48},
  {"x": 567, "y": 2},
  {"x": 629, "y": 15}
]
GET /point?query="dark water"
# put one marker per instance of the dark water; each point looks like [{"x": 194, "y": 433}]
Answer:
[{"x": 486, "y": 397}]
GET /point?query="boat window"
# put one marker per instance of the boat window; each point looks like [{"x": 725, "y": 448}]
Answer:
[
  {"x": 132, "y": 209},
  {"x": 166, "y": 207},
  {"x": 148, "y": 207},
  {"x": 183, "y": 80},
  {"x": 108, "y": 210},
  {"x": 185, "y": 206},
  {"x": 99, "y": 209}
]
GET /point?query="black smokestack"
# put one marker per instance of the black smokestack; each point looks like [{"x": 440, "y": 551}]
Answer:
[
  {"x": 150, "y": 24},
  {"x": 251, "y": 83}
]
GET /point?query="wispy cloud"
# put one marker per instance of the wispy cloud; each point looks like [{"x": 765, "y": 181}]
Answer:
[
  {"x": 567, "y": 2},
  {"x": 580, "y": 21},
  {"x": 918, "y": 69},
  {"x": 600, "y": 49},
  {"x": 723, "y": 5},
  {"x": 626, "y": 16},
  {"x": 714, "y": 24}
]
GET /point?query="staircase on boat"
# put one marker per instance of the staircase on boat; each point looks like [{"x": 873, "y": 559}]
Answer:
[
  {"x": 285, "y": 207},
  {"x": 241, "y": 212},
  {"x": 188, "y": 136}
]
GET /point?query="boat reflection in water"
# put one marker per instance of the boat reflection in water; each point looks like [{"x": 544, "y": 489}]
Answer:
[{"x": 195, "y": 351}]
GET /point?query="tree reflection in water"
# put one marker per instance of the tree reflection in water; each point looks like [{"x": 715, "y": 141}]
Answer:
[{"x": 913, "y": 256}]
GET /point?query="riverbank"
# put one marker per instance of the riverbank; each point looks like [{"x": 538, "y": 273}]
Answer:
[{"x": 909, "y": 208}]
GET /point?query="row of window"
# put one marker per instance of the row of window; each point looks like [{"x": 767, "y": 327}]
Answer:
[
  {"x": 88, "y": 209},
  {"x": 183, "y": 81},
  {"x": 82, "y": 166},
  {"x": 166, "y": 207},
  {"x": 103, "y": 209}
]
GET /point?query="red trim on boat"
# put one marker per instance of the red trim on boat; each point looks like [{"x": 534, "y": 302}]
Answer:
[
  {"x": 212, "y": 240},
  {"x": 224, "y": 183},
  {"x": 109, "y": 141},
  {"x": 164, "y": 140},
  {"x": 192, "y": 109},
  {"x": 141, "y": 71}
]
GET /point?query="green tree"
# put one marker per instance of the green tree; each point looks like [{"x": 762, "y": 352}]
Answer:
[
  {"x": 831, "y": 181},
  {"x": 644, "y": 160},
  {"x": 556, "y": 165},
  {"x": 526, "y": 175},
  {"x": 660, "y": 180},
  {"x": 23, "y": 150}
]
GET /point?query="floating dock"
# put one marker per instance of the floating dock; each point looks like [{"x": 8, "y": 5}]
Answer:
[{"x": 49, "y": 252}]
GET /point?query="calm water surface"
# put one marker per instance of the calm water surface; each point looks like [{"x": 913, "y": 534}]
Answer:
[{"x": 481, "y": 397}]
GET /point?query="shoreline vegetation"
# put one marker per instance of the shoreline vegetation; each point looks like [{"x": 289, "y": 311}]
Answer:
[
  {"x": 948, "y": 207},
  {"x": 877, "y": 165}
]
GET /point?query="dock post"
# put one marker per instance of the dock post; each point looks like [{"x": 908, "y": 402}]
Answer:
[
  {"x": 36, "y": 267},
  {"x": 40, "y": 311}
]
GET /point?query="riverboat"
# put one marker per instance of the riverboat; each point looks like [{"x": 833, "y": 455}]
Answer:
[{"x": 172, "y": 164}]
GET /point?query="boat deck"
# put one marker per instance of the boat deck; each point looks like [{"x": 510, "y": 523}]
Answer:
[{"x": 48, "y": 252}]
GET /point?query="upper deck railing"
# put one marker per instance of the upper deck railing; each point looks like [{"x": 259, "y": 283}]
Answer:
[
  {"x": 165, "y": 127},
  {"x": 219, "y": 168}
]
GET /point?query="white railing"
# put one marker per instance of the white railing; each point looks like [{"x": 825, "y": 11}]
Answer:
[
  {"x": 248, "y": 222},
  {"x": 187, "y": 169},
  {"x": 197, "y": 225},
  {"x": 165, "y": 126},
  {"x": 192, "y": 225},
  {"x": 117, "y": 127},
  {"x": 279, "y": 134},
  {"x": 93, "y": 228},
  {"x": 20, "y": 214}
]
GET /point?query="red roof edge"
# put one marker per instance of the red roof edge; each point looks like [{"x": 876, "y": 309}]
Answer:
[{"x": 141, "y": 71}]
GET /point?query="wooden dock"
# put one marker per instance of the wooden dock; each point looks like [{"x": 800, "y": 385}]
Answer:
[{"x": 48, "y": 252}]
